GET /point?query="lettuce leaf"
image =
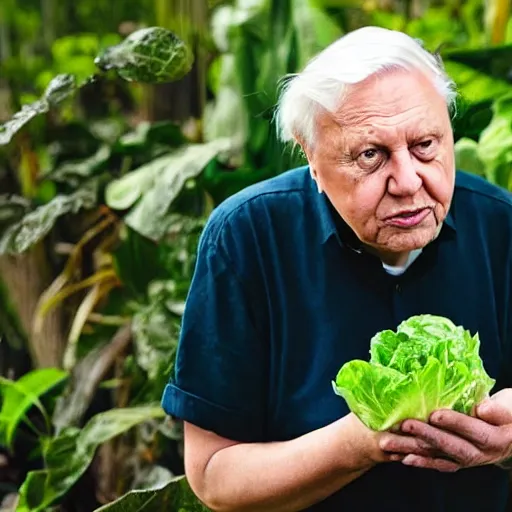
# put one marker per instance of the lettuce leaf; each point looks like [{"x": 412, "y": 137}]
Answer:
[{"x": 429, "y": 363}]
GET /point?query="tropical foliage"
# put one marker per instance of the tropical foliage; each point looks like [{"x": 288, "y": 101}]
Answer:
[{"x": 124, "y": 141}]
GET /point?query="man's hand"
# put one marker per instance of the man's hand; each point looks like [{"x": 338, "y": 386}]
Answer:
[{"x": 463, "y": 441}]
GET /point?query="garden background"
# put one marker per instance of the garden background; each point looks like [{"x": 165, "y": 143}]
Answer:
[{"x": 106, "y": 180}]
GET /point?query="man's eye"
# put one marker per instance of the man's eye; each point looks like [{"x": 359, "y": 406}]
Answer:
[
  {"x": 370, "y": 158},
  {"x": 369, "y": 154},
  {"x": 426, "y": 150}
]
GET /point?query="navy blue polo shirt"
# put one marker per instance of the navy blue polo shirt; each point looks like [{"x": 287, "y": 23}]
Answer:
[{"x": 282, "y": 297}]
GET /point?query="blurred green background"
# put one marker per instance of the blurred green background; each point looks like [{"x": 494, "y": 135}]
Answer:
[{"x": 103, "y": 196}]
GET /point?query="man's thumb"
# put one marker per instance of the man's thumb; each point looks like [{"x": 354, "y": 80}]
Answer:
[{"x": 491, "y": 411}]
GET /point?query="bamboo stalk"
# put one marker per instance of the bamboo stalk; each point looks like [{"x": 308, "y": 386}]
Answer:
[{"x": 497, "y": 16}]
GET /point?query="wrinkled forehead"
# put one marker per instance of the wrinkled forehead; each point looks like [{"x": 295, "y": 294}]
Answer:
[
  {"x": 378, "y": 129},
  {"x": 407, "y": 106}
]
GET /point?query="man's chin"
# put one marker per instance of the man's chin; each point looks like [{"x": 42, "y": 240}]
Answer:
[{"x": 401, "y": 242}]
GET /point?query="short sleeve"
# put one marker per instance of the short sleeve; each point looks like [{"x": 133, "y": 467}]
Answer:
[{"x": 220, "y": 377}]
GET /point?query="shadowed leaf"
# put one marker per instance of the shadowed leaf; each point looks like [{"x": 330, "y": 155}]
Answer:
[
  {"x": 175, "y": 495},
  {"x": 157, "y": 184},
  {"x": 69, "y": 455},
  {"x": 86, "y": 377},
  {"x": 35, "y": 225}
]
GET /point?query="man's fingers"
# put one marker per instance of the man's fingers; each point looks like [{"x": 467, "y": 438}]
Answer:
[
  {"x": 449, "y": 444},
  {"x": 431, "y": 463},
  {"x": 396, "y": 443},
  {"x": 491, "y": 411},
  {"x": 475, "y": 430}
]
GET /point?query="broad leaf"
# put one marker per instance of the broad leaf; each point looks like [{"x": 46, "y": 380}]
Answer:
[
  {"x": 157, "y": 184},
  {"x": 137, "y": 261},
  {"x": 475, "y": 86},
  {"x": 155, "y": 335},
  {"x": 495, "y": 143},
  {"x": 151, "y": 476},
  {"x": 71, "y": 406},
  {"x": 151, "y": 55},
  {"x": 467, "y": 158},
  {"x": 226, "y": 115},
  {"x": 76, "y": 172},
  {"x": 70, "y": 454},
  {"x": 494, "y": 61},
  {"x": 165, "y": 133},
  {"x": 124, "y": 192},
  {"x": 58, "y": 90},
  {"x": 35, "y": 225},
  {"x": 19, "y": 396},
  {"x": 471, "y": 118},
  {"x": 176, "y": 496},
  {"x": 315, "y": 30}
]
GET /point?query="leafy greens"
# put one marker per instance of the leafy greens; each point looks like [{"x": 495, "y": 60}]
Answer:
[{"x": 429, "y": 363}]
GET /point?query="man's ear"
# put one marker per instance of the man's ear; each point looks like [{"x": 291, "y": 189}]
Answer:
[
  {"x": 308, "y": 152},
  {"x": 304, "y": 147}
]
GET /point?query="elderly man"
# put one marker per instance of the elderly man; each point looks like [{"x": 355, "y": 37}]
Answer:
[{"x": 295, "y": 275}]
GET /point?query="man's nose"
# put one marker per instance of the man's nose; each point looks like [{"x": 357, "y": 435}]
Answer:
[{"x": 404, "y": 179}]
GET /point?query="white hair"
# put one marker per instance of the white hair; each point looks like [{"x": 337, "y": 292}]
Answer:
[{"x": 349, "y": 60}]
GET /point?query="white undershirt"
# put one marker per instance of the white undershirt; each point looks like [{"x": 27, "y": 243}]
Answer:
[{"x": 400, "y": 269}]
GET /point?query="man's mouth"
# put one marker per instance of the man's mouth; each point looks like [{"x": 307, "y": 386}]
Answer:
[{"x": 408, "y": 218}]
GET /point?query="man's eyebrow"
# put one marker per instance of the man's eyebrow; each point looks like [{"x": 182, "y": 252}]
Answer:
[{"x": 432, "y": 131}]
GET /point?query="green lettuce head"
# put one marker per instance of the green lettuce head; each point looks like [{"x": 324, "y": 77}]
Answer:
[{"x": 429, "y": 363}]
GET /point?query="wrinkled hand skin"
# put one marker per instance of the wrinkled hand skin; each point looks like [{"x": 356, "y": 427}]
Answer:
[{"x": 457, "y": 441}]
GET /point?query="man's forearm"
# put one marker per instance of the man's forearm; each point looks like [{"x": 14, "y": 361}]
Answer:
[{"x": 286, "y": 476}]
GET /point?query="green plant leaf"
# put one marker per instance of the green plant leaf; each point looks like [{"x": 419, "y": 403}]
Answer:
[
  {"x": 70, "y": 454},
  {"x": 157, "y": 184},
  {"x": 467, "y": 158},
  {"x": 493, "y": 61},
  {"x": 475, "y": 86},
  {"x": 315, "y": 30},
  {"x": 495, "y": 143},
  {"x": 34, "y": 226},
  {"x": 155, "y": 333},
  {"x": 19, "y": 396},
  {"x": 429, "y": 363},
  {"x": 175, "y": 495},
  {"x": 165, "y": 133},
  {"x": 137, "y": 261},
  {"x": 226, "y": 116},
  {"x": 75, "y": 172},
  {"x": 57, "y": 91},
  {"x": 124, "y": 192},
  {"x": 471, "y": 118},
  {"x": 151, "y": 55}
]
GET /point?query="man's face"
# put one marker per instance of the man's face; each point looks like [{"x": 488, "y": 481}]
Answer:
[{"x": 386, "y": 162}]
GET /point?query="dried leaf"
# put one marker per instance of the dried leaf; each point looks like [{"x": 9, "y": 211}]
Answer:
[
  {"x": 102, "y": 276},
  {"x": 95, "y": 294}
]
